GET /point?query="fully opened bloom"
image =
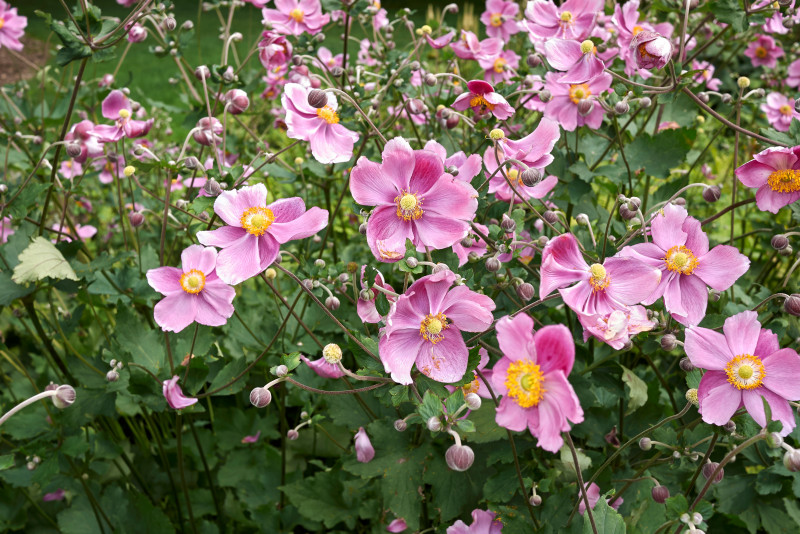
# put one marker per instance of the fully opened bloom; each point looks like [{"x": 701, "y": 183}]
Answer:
[
  {"x": 12, "y": 27},
  {"x": 295, "y": 17},
  {"x": 680, "y": 251},
  {"x": 255, "y": 230},
  {"x": 578, "y": 60},
  {"x": 780, "y": 111},
  {"x": 117, "y": 107},
  {"x": 743, "y": 365},
  {"x": 764, "y": 52},
  {"x": 480, "y": 96},
  {"x": 532, "y": 379},
  {"x": 424, "y": 327},
  {"x": 414, "y": 198},
  {"x": 192, "y": 293},
  {"x": 174, "y": 395},
  {"x": 574, "y": 19},
  {"x": 706, "y": 75},
  {"x": 601, "y": 288},
  {"x": 330, "y": 141},
  {"x": 499, "y": 18},
  {"x": 502, "y": 67},
  {"x": 483, "y": 522},
  {"x": 775, "y": 173},
  {"x": 564, "y": 106}
]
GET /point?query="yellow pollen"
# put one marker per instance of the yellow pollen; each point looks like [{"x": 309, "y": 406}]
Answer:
[
  {"x": 500, "y": 65},
  {"x": 637, "y": 30},
  {"x": 408, "y": 206},
  {"x": 108, "y": 166},
  {"x": 328, "y": 115},
  {"x": 784, "y": 181},
  {"x": 745, "y": 371},
  {"x": 257, "y": 220},
  {"x": 193, "y": 282},
  {"x": 296, "y": 14},
  {"x": 566, "y": 16},
  {"x": 587, "y": 46},
  {"x": 524, "y": 381},
  {"x": 578, "y": 92},
  {"x": 432, "y": 327},
  {"x": 513, "y": 175},
  {"x": 472, "y": 387},
  {"x": 761, "y": 52},
  {"x": 2, "y": 22},
  {"x": 786, "y": 109},
  {"x": 496, "y": 20},
  {"x": 124, "y": 113},
  {"x": 479, "y": 101},
  {"x": 680, "y": 259},
  {"x": 599, "y": 279}
]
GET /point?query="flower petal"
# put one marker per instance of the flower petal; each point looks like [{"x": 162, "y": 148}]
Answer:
[
  {"x": 721, "y": 267},
  {"x": 515, "y": 337},
  {"x": 707, "y": 349},
  {"x": 555, "y": 349},
  {"x": 782, "y": 370},
  {"x": 718, "y": 399},
  {"x": 742, "y": 332},
  {"x": 445, "y": 361}
]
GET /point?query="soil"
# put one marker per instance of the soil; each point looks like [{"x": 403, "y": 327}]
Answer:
[{"x": 12, "y": 69}]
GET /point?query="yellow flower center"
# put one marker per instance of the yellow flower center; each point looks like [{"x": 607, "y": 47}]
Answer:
[
  {"x": 500, "y": 65},
  {"x": 257, "y": 220},
  {"x": 2, "y": 22},
  {"x": 479, "y": 101},
  {"x": 786, "y": 109},
  {"x": 408, "y": 206},
  {"x": 745, "y": 371},
  {"x": 524, "y": 381},
  {"x": 125, "y": 114},
  {"x": 784, "y": 181},
  {"x": 761, "y": 52},
  {"x": 296, "y": 14},
  {"x": 637, "y": 30},
  {"x": 578, "y": 92},
  {"x": 193, "y": 282},
  {"x": 328, "y": 115},
  {"x": 496, "y": 20},
  {"x": 681, "y": 260},
  {"x": 566, "y": 16},
  {"x": 599, "y": 279},
  {"x": 513, "y": 176},
  {"x": 108, "y": 166},
  {"x": 472, "y": 387},
  {"x": 587, "y": 46},
  {"x": 432, "y": 327}
]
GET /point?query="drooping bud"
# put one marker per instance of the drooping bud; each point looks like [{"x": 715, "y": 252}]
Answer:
[
  {"x": 582, "y": 219},
  {"x": 317, "y": 98},
  {"x": 711, "y": 194},
  {"x": 434, "y": 424},
  {"x": 626, "y": 213},
  {"x": 730, "y": 427},
  {"x": 364, "y": 450},
  {"x": 585, "y": 107},
  {"x": 202, "y": 73},
  {"x": 530, "y": 176},
  {"x": 135, "y": 218},
  {"x": 708, "y": 471},
  {"x": 237, "y": 100},
  {"x": 787, "y": 251},
  {"x": 65, "y": 396},
  {"x": 493, "y": 264},
  {"x": 645, "y": 444},
  {"x": 525, "y": 291},
  {"x": 73, "y": 150},
  {"x": 779, "y": 242},
  {"x": 473, "y": 401},
  {"x": 545, "y": 96},
  {"x": 791, "y": 460},
  {"x": 366, "y": 294},
  {"x": 112, "y": 376},
  {"x": 792, "y": 305},
  {"x": 668, "y": 342},
  {"x": 535, "y": 500},
  {"x": 459, "y": 457},
  {"x": 416, "y": 106},
  {"x": 170, "y": 23},
  {"x": 400, "y": 425},
  {"x": 774, "y": 440},
  {"x": 660, "y": 494},
  {"x": 621, "y": 108},
  {"x": 467, "y": 242},
  {"x": 260, "y": 397},
  {"x": 212, "y": 188},
  {"x": 508, "y": 224},
  {"x": 651, "y": 50},
  {"x": 645, "y": 102},
  {"x": 332, "y": 303},
  {"x": 686, "y": 365},
  {"x": 292, "y": 434},
  {"x": 550, "y": 216}
]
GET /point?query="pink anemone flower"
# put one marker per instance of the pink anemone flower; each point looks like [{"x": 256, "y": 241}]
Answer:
[
  {"x": 365, "y": 452},
  {"x": 440, "y": 42},
  {"x": 502, "y": 67},
  {"x": 6, "y": 229},
  {"x": 255, "y": 230},
  {"x": 616, "y": 328},
  {"x": 601, "y": 288},
  {"x": 578, "y": 60},
  {"x": 764, "y": 52},
  {"x": 12, "y": 28},
  {"x": 564, "y": 107},
  {"x": 480, "y": 96},
  {"x": 117, "y": 107},
  {"x": 414, "y": 198},
  {"x": 295, "y": 17},
  {"x": 483, "y": 522},
  {"x": 574, "y": 19},
  {"x": 593, "y": 495},
  {"x": 328, "y": 59},
  {"x": 680, "y": 252},
  {"x": 174, "y": 395},
  {"x": 743, "y": 365},
  {"x": 499, "y": 19},
  {"x": 330, "y": 141},
  {"x": 532, "y": 379},
  {"x": 470, "y": 47},
  {"x": 780, "y": 110},
  {"x": 397, "y": 525},
  {"x": 424, "y": 327},
  {"x": 775, "y": 173},
  {"x": 366, "y": 309},
  {"x": 793, "y": 74},
  {"x": 193, "y": 293},
  {"x": 707, "y": 74},
  {"x": 110, "y": 167},
  {"x": 274, "y": 50},
  {"x": 323, "y": 368}
]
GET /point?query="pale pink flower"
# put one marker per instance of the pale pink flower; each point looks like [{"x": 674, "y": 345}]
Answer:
[
  {"x": 707, "y": 74},
  {"x": 532, "y": 379},
  {"x": 295, "y": 17},
  {"x": 323, "y": 368},
  {"x": 70, "y": 168},
  {"x": 274, "y": 50},
  {"x": 764, "y": 52},
  {"x": 775, "y": 173},
  {"x": 6, "y": 229},
  {"x": 328, "y": 59},
  {"x": 480, "y": 96},
  {"x": 470, "y": 47},
  {"x": 564, "y": 106},
  {"x": 574, "y": 19},
  {"x": 364, "y": 450},
  {"x": 578, "y": 60},
  {"x": 743, "y": 365},
  {"x": 502, "y": 68},
  {"x": 500, "y": 19},
  {"x": 366, "y": 309},
  {"x": 398, "y": 525},
  {"x": 593, "y": 495},
  {"x": 12, "y": 28},
  {"x": 793, "y": 74},
  {"x": 174, "y": 395},
  {"x": 780, "y": 111},
  {"x": 255, "y": 230},
  {"x": 117, "y": 107},
  {"x": 616, "y": 328},
  {"x": 483, "y": 522}
]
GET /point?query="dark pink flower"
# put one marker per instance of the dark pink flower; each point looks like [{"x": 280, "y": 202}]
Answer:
[
  {"x": 564, "y": 106},
  {"x": 578, "y": 60},
  {"x": 707, "y": 74},
  {"x": 12, "y": 27},
  {"x": 574, "y": 19},
  {"x": 364, "y": 450},
  {"x": 532, "y": 379},
  {"x": 764, "y": 52},
  {"x": 793, "y": 74},
  {"x": 775, "y": 173},
  {"x": 57, "y": 495},
  {"x": 174, "y": 395},
  {"x": 680, "y": 251},
  {"x": 483, "y": 522},
  {"x": 500, "y": 19},
  {"x": 593, "y": 495},
  {"x": 252, "y": 439},
  {"x": 274, "y": 50},
  {"x": 424, "y": 327},
  {"x": 743, "y": 365},
  {"x": 117, "y": 107},
  {"x": 780, "y": 111},
  {"x": 295, "y": 17},
  {"x": 480, "y": 96}
]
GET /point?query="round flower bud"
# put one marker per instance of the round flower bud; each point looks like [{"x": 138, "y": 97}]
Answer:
[
  {"x": 730, "y": 427},
  {"x": 332, "y": 353},
  {"x": 686, "y": 365},
  {"x": 508, "y": 224},
  {"x": 317, "y": 98},
  {"x": 525, "y": 291},
  {"x": 535, "y": 500},
  {"x": 791, "y": 460},
  {"x": 3, "y": 189},
  {"x": 129, "y": 171},
  {"x": 170, "y": 23},
  {"x": 792, "y": 305},
  {"x": 660, "y": 494},
  {"x": 726, "y": 98},
  {"x": 585, "y": 107},
  {"x": 711, "y": 194},
  {"x": 545, "y": 96},
  {"x": 779, "y": 242},
  {"x": 281, "y": 371},
  {"x": 530, "y": 177},
  {"x": 645, "y": 102},
  {"x": 621, "y": 108},
  {"x": 293, "y": 434},
  {"x": 112, "y": 376},
  {"x": 467, "y": 242},
  {"x": 202, "y": 73},
  {"x": 496, "y": 134},
  {"x": 135, "y": 218},
  {"x": 332, "y": 303},
  {"x": 473, "y": 401},
  {"x": 668, "y": 342},
  {"x": 439, "y": 267},
  {"x": 582, "y": 219},
  {"x": 362, "y": 229},
  {"x": 709, "y": 469},
  {"x": 65, "y": 396},
  {"x": 412, "y": 262},
  {"x": 774, "y": 440},
  {"x": 414, "y": 65},
  {"x": 533, "y": 60},
  {"x": 645, "y": 444},
  {"x": 430, "y": 80},
  {"x": 30, "y": 466},
  {"x": 400, "y": 425},
  {"x": 797, "y": 105},
  {"x": 493, "y": 265},
  {"x": 550, "y": 216},
  {"x": 691, "y": 396},
  {"x": 434, "y": 424},
  {"x": 416, "y": 106},
  {"x": 459, "y": 457},
  {"x": 626, "y": 213},
  {"x": 260, "y": 397},
  {"x": 786, "y": 252},
  {"x": 73, "y": 150},
  {"x": 743, "y": 82},
  {"x": 212, "y": 188},
  {"x": 366, "y": 294},
  {"x": 271, "y": 274}
]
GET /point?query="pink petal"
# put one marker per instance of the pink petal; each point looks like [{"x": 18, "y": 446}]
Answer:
[
  {"x": 438, "y": 231},
  {"x": 323, "y": 368},
  {"x": 115, "y": 102},
  {"x": 754, "y": 173},
  {"x": 782, "y": 370},
  {"x": 452, "y": 198},
  {"x": 199, "y": 257},
  {"x": 666, "y": 227},
  {"x": 230, "y": 205},
  {"x": 767, "y": 344},
  {"x": 398, "y": 162},
  {"x": 555, "y": 349},
  {"x": 515, "y": 337},
  {"x": 498, "y": 376},
  {"x": 696, "y": 238},
  {"x": 304, "y": 226},
  {"x": 175, "y": 312},
  {"x": 780, "y": 408},
  {"x": 707, "y": 349},
  {"x": 562, "y": 54},
  {"x": 510, "y": 415},
  {"x": 239, "y": 260},
  {"x": 469, "y": 311},
  {"x": 428, "y": 169},
  {"x": 398, "y": 352},
  {"x": 385, "y": 225},
  {"x": 369, "y": 186},
  {"x": 721, "y": 267},
  {"x": 446, "y": 361},
  {"x": 165, "y": 280},
  {"x": 585, "y": 70},
  {"x": 742, "y": 332},
  {"x": 631, "y": 280},
  {"x": 222, "y": 236},
  {"x": 718, "y": 399}
]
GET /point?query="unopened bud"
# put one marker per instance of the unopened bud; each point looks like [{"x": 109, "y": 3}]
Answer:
[
  {"x": 645, "y": 102},
  {"x": 627, "y": 214},
  {"x": 708, "y": 471},
  {"x": 416, "y": 106},
  {"x": 473, "y": 401},
  {"x": 743, "y": 82},
  {"x": 508, "y": 224},
  {"x": 530, "y": 177},
  {"x": 730, "y": 427},
  {"x": 112, "y": 376},
  {"x": 645, "y": 444},
  {"x": 317, "y": 99},
  {"x": 786, "y": 252},
  {"x": 467, "y": 242},
  {"x": 212, "y": 188},
  {"x": 493, "y": 265},
  {"x": 73, "y": 150},
  {"x": 668, "y": 342},
  {"x": 202, "y": 73},
  {"x": 550, "y": 216},
  {"x": 260, "y": 397},
  {"x": 703, "y": 96},
  {"x": 582, "y": 219},
  {"x": 366, "y": 294},
  {"x": 660, "y": 494},
  {"x": 533, "y": 60},
  {"x": 686, "y": 365},
  {"x": 774, "y": 440},
  {"x": 292, "y": 434},
  {"x": 496, "y": 134},
  {"x": 535, "y": 500},
  {"x": 792, "y": 305},
  {"x": 779, "y": 242},
  {"x": 712, "y": 193},
  {"x": 271, "y": 274},
  {"x": 332, "y": 303},
  {"x": 430, "y": 80},
  {"x": 585, "y": 107},
  {"x": 281, "y": 371},
  {"x": 525, "y": 291},
  {"x": 65, "y": 396},
  {"x": 135, "y": 218},
  {"x": 337, "y": 72},
  {"x": 459, "y": 457},
  {"x": 434, "y": 424},
  {"x": 545, "y": 96},
  {"x": 400, "y": 425},
  {"x": 621, "y": 108},
  {"x": 129, "y": 171},
  {"x": 170, "y": 23},
  {"x": 726, "y": 98},
  {"x": 791, "y": 460}
]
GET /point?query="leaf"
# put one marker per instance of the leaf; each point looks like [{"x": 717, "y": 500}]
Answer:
[
  {"x": 145, "y": 345},
  {"x": 637, "y": 390},
  {"x": 566, "y": 458},
  {"x": 42, "y": 259},
  {"x": 10, "y": 290},
  {"x": 6, "y": 461},
  {"x": 676, "y": 506},
  {"x": 729, "y": 12},
  {"x": 660, "y": 153},
  {"x": 323, "y": 498},
  {"x": 606, "y": 519}
]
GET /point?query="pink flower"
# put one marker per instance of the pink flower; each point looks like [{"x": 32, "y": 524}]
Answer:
[
  {"x": 330, "y": 141},
  {"x": 81, "y": 133},
  {"x": 532, "y": 379},
  {"x": 192, "y": 293},
  {"x": 764, "y": 52},
  {"x": 616, "y": 328},
  {"x": 593, "y": 495},
  {"x": 780, "y": 111},
  {"x": 651, "y": 50},
  {"x": 484, "y": 52},
  {"x": 208, "y": 131},
  {"x": 274, "y": 50},
  {"x": 502, "y": 67},
  {"x": 578, "y": 60},
  {"x": 192, "y": 182},
  {"x": 575, "y": 19},
  {"x": 424, "y": 327},
  {"x": 173, "y": 393},
  {"x": 86, "y": 231},
  {"x": 478, "y": 246},
  {"x": 602, "y": 288},
  {"x": 627, "y": 23},
  {"x": 775, "y": 172},
  {"x": 12, "y": 27},
  {"x": 137, "y": 33},
  {"x": 110, "y": 167},
  {"x": 480, "y": 96},
  {"x": 256, "y": 230},
  {"x": 483, "y": 522},
  {"x": 499, "y": 19},
  {"x": 364, "y": 450},
  {"x": 467, "y": 167},
  {"x": 564, "y": 107},
  {"x": 398, "y": 525},
  {"x": 323, "y": 368},
  {"x": 252, "y": 439},
  {"x": 440, "y": 42},
  {"x": 414, "y": 198},
  {"x": 6, "y": 229},
  {"x": 295, "y": 17},
  {"x": 793, "y": 74},
  {"x": 328, "y": 59},
  {"x": 680, "y": 252},
  {"x": 70, "y": 168},
  {"x": 57, "y": 495},
  {"x": 117, "y": 107},
  {"x": 707, "y": 74},
  {"x": 367, "y": 311},
  {"x": 744, "y": 364}
]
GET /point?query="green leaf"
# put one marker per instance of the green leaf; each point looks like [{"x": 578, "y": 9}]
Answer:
[
  {"x": 730, "y": 12},
  {"x": 6, "y": 461},
  {"x": 42, "y": 259},
  {"x": 637, "y": 390},
  {"x": 10, "y": 290},
  {"x": 676, "y": 506},
  {"x": 431, "y": 406},
  {"x": 606, "y": 519},
  {"x": 658, "y": 154},
  {"x": 145, "y": 345},
  {"x": 323, "y": 498}
]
